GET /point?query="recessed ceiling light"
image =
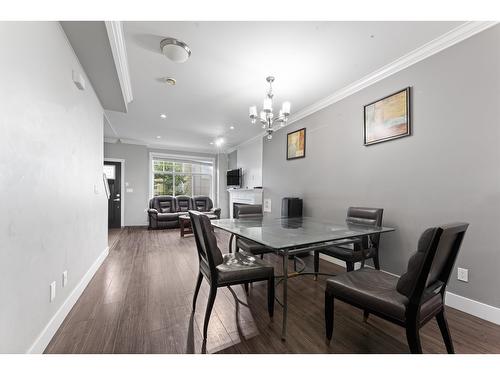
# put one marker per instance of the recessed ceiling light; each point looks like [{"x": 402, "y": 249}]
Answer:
[
  {"x": 211, "y": 143},
  {"x": 163, "y": 116},
  {"x": 231, "y": 127},
  {"x": 158, "y": 136},
  {"x": 171, "y": 81},
  {"x": 175, "y": 50}
]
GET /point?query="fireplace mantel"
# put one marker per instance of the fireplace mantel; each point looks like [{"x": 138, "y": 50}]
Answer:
[{"x": 244, "y": 196}]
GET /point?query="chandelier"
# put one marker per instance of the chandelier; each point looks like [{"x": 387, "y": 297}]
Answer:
[{"x": 266, "y": 116}]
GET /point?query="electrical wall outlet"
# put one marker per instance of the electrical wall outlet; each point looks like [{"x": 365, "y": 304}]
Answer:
[
  {"x": 64, "y": 278},
  {"x": 52, "y": 291},
  {"x": 267, "y": 205},
  {"x": 463, "y": 274}
]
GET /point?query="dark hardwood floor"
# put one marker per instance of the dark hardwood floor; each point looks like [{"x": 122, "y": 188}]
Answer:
[{"x": 139, "y": 301}]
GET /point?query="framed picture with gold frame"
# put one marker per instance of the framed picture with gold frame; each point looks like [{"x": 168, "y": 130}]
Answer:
[
  {"x": 387, "y": 118},
  {"x": 296, "y": 144}
]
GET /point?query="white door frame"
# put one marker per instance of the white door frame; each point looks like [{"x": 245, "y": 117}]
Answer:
[{"x": 122, "y": 183}]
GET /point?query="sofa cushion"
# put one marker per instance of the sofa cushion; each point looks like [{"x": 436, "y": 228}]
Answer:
[{"x": 168, "y": 216}]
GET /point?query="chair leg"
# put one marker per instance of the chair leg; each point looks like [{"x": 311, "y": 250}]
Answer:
[
  {"x": 349, "y": 266},
  {"x": 295, "y": 264},
  {"x": 316, "y": 264},
  {"x": 246, "y": 288},
  {"x": 261, "y": 256},
  {"x": 197, "y": 289},
  {"x": 270, "y": 296},
  {"x": 376, "y": 261},
  {"x": 329, "y": 315},
  {"x": 210, "y": 305},
  {"x": 413, "y": 338},
  {"x": 365, "y": 316},
  {"x": 445, "y": 332}
]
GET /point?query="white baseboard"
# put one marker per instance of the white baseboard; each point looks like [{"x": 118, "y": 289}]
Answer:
[
  {"x": 476, "y": 308},
  {"x": 53, "y": 325},
  {"x": 467, "y": 305}
]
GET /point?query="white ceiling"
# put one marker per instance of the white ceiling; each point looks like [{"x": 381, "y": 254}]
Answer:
[{"x": 228, "y": 66}]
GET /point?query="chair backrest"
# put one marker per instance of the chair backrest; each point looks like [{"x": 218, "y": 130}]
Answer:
[
  {"x": 202, "y": 203},
  {"x": 430, "y": 267},
  {"x": 184, "y": 203},
  {"x": 163, "y": 203},
  {"x": 209, "y": 253},
  {"x": 248, "y": 211},
  {"x": 366, "y": 216}
]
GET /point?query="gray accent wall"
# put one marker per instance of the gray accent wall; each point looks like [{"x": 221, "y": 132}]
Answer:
[
  {"x": 137, "y": 177},
  {"x": 448, "y": 170}
]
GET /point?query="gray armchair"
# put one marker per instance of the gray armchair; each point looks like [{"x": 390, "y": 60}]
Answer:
[
  {"x": 225, "y": 270},
  {"x": 358, "y": 249},
  {"x": 204, "y": 204},
  {"x": 250, "y": 211},
  {"x": 413, "y": 299},
  {"x": 162, "y": 212}
]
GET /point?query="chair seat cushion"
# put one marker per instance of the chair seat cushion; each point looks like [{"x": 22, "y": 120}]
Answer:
[
  {"x": 241, "y": 266},
  {"x": 252, "y": 247},
  {"x": 345, "y": 253},
  {"x": 168, "y": 216},
  {"x": 376, "y": 291}
]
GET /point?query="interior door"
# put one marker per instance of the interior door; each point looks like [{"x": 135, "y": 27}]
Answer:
[{"x": 113, "y": 174}]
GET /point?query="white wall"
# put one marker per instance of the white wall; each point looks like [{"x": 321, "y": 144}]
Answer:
[
  {"x": 51, "y": 158},
  {"x": 249, "y": 159}
]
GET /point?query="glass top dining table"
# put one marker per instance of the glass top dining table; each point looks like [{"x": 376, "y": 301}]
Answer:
[{"x": 291, "y": 236}]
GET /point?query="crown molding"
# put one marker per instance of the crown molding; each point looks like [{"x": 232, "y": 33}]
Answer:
[
  {"x": 153, "y": 146},
  {"x": 458, "y": 34},
  {"x": 253, "y": 139},
  {"x": 119, "y": 51}
]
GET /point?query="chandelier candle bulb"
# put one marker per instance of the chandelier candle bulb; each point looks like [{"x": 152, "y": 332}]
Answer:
[
  {"x": 253, "y": 111},
  {"x": 268, "y": 104},
  {"x": 286, "y": 108}
]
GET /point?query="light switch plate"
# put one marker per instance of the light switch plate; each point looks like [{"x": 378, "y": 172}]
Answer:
[
  {"x": 130, "y": 190},
  {"x": 267, "y": 205}
]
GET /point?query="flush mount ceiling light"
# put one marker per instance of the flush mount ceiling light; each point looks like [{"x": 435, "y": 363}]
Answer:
[
  {"x": 175, "y": 50},
  {"x": 163, "y": 116}
]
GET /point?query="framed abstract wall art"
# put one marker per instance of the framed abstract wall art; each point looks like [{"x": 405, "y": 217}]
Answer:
[
  {"x": 387, "y": 118},
  {"x": 296, "y": 144}
]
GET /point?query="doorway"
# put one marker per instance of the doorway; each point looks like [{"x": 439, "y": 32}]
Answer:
[{"x": 113, "y": 171}]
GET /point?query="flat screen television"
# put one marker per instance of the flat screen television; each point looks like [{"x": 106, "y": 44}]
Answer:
[{"x": 234, "y": 178}]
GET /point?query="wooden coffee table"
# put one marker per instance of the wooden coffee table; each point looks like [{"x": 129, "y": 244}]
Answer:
[{"x": 185, "y": 223}]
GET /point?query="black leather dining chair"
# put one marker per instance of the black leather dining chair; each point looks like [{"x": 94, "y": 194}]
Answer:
[
  {"x": 250, "y": 211},
  {"x": 225, "y": 270},
  {"x": 411, "y": 300},
  {"x": 358, "y": 249}
]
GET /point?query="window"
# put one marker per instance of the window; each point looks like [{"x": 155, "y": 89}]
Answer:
[{"x": 176, "y": 177}]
